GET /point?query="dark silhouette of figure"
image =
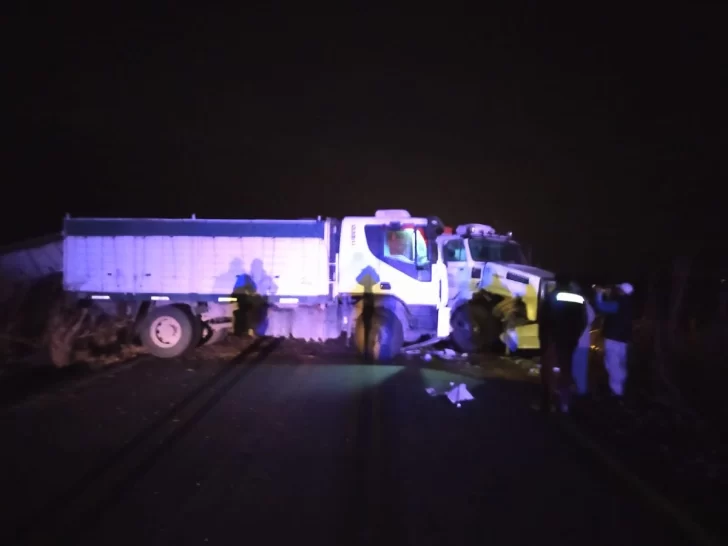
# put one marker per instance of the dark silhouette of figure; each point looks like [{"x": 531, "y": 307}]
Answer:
[
  {"x": 368, "y": 278},
  {"x": 563, "y": 319}
]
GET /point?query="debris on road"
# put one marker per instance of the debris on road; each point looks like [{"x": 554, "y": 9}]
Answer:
[
  {"x": 433, "y": 347},
  {"x": 456, "y": 394},
  {"x": 536, "y": 370},
  {"x": 531, "y": 366},
  {"x": 444, "y": 354}
]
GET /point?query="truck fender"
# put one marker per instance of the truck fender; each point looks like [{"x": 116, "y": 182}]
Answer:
[
  {"x": 458, "y": 303},
  {"x": 461, "y": 298}
]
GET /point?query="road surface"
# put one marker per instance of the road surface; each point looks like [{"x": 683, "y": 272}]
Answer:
[{"x": 273, "y": 446}]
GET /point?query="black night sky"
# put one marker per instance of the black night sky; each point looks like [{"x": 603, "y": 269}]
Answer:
[{"x": 594, "y": 136}]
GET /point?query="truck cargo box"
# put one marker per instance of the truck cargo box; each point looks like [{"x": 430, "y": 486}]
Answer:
[{"x": 195, "y": 259}]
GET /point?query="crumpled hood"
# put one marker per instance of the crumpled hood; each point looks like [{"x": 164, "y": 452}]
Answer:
[{"x": 515, "y": 280}]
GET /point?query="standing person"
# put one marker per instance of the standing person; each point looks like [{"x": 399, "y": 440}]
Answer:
[
  {"x": 580, "y": 359},
  {"x": 547, "y": 355},
  {"x": 562, "y": 320},
  {"x": 617, "y": 333}
]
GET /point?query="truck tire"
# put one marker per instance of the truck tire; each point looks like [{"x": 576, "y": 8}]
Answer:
[
  {"x": 385, "y": 338},
  {"x": 169, "y": 331},
  {"x": 474, "y": 330}
]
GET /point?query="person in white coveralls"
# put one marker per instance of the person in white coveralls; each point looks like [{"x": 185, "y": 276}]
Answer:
[{"x": 617, "y": 333}]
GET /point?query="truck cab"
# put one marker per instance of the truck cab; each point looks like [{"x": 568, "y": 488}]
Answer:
[
  {"x": 391, "y": 262},
  {"x": 487, "y": 273}
]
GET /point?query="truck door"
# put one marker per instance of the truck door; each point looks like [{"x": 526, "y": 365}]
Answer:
[
  {"x": 458, "y": 274},
  {"x": 403, "y": 263}
]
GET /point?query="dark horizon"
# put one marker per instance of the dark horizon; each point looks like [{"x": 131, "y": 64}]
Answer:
[{"x": 594, "y": 138}]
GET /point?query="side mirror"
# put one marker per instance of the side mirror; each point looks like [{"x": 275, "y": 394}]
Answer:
[{"x": 435, "y": 227}]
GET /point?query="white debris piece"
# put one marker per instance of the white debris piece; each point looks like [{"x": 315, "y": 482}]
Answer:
[
  {"x": 459, "y": 394},
  {"x": 456, "y": 394}
]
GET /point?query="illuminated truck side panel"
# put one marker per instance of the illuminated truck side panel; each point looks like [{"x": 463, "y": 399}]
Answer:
[{"x": 203, "y": 259}]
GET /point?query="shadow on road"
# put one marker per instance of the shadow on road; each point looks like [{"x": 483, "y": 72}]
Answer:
[{"x": 427, "y": 472}]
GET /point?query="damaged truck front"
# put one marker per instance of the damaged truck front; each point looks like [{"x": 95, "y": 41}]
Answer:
[{"x": 493, "y": 293}]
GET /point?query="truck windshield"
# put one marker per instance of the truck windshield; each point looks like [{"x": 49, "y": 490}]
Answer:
[{"x": 483, "y": 249}]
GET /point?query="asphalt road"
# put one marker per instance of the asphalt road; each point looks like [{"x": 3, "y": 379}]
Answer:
[{"x": 273, "y": 446}]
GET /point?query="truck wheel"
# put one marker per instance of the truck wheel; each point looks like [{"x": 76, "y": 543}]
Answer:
[
  {"x": 169, "y": 331},
  {"x": 385, "y": 336},
  {"x": 473, "y": 329}
]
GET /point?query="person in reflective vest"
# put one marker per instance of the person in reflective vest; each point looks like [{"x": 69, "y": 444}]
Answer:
[{"x": 562, "y": 320}]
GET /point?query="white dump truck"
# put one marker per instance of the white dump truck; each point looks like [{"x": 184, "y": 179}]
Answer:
[
  {"x": 379, "y": 278},
  {"x": 487, "y": 272}
]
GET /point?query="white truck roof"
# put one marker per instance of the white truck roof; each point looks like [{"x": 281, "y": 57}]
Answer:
[
  {"x": 392, "y": 214},
  {"x": 474, "y": 229}
]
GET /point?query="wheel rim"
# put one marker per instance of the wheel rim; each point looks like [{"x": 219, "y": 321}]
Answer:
[
  {"x": 165, "y": 332},
  {"x": 467, "y": 332},
  {"x": 465, "y": 326}
]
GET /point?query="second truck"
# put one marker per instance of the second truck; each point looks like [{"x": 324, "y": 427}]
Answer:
[{"x": 493, "y": 293}]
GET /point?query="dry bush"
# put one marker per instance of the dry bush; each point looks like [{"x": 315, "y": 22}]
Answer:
[
  {"x": 25, "y": 315},
  {"x": 64, "y": 326},
  {"x": 40, "y": 318},
  {"x": 89, "y": 335}
]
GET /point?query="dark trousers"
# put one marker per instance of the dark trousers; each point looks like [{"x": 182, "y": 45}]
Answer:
[{"x": 558, "y": 353}]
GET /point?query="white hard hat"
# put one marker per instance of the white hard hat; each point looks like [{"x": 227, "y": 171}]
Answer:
[{"x": 626, "y": 288}]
